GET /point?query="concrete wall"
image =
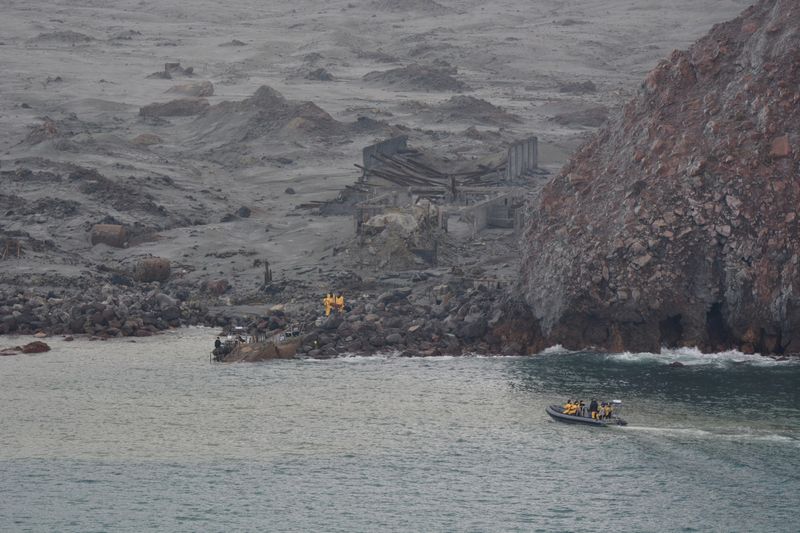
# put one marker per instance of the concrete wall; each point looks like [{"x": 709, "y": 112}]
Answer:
[
  {"x": 494, "y": 213},
  {"x": 523, "y": 157}
]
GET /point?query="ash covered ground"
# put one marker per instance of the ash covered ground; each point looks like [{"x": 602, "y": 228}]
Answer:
[{"x": 207, "y": 130}]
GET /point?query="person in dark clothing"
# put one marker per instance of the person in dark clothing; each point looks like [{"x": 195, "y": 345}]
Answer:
[
  {"x": 217, "y": 343},
  {"x": 593, "y": 409}
]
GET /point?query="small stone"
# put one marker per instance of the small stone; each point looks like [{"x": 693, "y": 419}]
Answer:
[
  {"x": 780, "y": 147},
  {"x": 394, "y": 338},
  {"x": 643, "y": 260}
]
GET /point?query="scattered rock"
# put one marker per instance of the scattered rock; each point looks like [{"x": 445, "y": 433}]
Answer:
[
  {"x": 394, "y": 338},
  {"x": 592, "y": 117},
  {"x": 243, "y": 212},
  {"x": 289, "y": 190},
  {"x": 217, "y": 286},
  {"x": 417, "y": 77},
  {"x": 126, "y": 35},
  {"x": 182, "y": 107},
  {"x": 429, "y": 7},
  {"x": 172, "y": 70},
  {"x": 152, "y": 269},
  {"x": 147, "y": 139},
  {"x": 64, "y": 37},
  {"x": 474, "y": 110},
  {"x": 780, "y": 147},
  {"x": 110, "y": 234},
  {"x": 196, "y": 89},
  {"x": 319, "y": 74},
  {"x": 577, "y": 87},
  {"x": 36, "y": 347}
]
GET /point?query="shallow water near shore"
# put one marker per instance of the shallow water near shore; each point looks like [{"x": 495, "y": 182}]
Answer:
[{"x": 148, "y": 435}]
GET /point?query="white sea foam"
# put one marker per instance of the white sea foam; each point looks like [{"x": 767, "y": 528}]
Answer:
[
  {"x": 736, "y": 435},
  {"x": 694, "y": 357},
  {"x": 556, "y": 349},
  {"x": 686, "y": 356}
]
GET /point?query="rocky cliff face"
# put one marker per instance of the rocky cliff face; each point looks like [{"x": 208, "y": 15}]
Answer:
[{"x": 677, "y": 224}]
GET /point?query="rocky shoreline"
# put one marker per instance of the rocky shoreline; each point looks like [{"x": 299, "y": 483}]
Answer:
[
  {"x": 439, "y": 314},
  {"x": 426, "y": 317}
]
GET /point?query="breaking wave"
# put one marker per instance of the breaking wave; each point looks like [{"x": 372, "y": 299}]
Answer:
[{"x": 694, "y": 357}]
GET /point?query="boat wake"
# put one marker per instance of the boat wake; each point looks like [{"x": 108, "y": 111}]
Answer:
[{"x": 735, "y": 435}]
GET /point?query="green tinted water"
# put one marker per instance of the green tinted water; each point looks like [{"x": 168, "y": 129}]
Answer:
[{"x": 122, "y": 436}]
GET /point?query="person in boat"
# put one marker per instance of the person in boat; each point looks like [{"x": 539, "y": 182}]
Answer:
[
  {"x": 328, "y": 303},
  {"x": 217, "y": 344},
  {"x": 593, "y": 409},
  {"x": 608, "y": 410},
  {"x": 340, "y": 303},
  {"x": 581, "y": 408},
  {"x": 566, "y": 407}
]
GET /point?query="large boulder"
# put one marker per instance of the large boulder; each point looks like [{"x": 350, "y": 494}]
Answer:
[
  {"x": 111, "y": 234},
  {"x": 677, "y": 223},
  {"x": 36, "y": 347},
  {"x": 152, "y": 269}
]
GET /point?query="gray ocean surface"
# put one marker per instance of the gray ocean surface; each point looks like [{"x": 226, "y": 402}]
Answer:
[{"x": 150, "y": 436}]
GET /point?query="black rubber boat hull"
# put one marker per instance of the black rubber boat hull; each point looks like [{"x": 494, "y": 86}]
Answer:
[{"x": 555, "y": 413}]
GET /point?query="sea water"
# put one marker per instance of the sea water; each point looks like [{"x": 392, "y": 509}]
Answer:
[{"x": 149, "y": 435}]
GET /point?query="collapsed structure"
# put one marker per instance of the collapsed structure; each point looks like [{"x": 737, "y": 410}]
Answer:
[{"x": 413, "y": 205}]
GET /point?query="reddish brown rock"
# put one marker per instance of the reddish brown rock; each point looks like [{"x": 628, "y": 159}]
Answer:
[
  {"x": 111, "y": 234},
  {"x": 152, "y": 269},
  {"x": 780, "y": 147},
  {"x": 217, "y": 286},
  {"x": 707, "y": 136},
  {"x": 36, "y": 347}
]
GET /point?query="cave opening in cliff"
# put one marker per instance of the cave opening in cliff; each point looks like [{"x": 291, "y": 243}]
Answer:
[
  {"x": 671, "y": 331},
  {"x": 717, "y": 331}
]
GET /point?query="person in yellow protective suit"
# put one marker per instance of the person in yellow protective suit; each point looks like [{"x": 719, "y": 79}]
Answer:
[
  {"x": 565, "y": 407},
  {"x": 328, "y": 302},
  {"x": 608, "y": 410},
  {"x": 340, "y": 303},
  {"x": 571, "y": 408}
]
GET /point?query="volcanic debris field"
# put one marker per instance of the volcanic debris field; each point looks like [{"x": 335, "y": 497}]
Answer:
[{"x": 166, "y": 165}]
